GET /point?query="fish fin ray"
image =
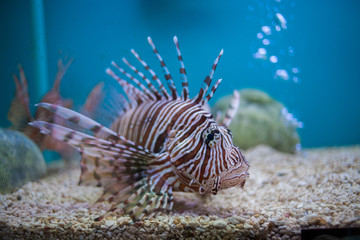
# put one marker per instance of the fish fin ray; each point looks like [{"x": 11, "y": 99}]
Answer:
[
  {"x": 232, "y": 109},
  {"x": 165, "y": 70},
  {"x": 149, "y": 94},
  {"x": 140, "y": 74},
  {"x": 207, "y": 81},
  {"x": 185, "y": 85},
  {"x": 154, "y": 76}
]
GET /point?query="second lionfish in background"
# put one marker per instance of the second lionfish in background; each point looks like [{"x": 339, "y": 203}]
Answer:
[{"x": 161, "y": 142}]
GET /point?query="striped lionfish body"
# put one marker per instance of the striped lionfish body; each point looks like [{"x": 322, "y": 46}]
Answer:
[{"x": 161, "y": 142}]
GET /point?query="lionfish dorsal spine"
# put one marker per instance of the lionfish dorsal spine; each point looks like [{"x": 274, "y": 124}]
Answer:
[
  {"x": 232, "y": 109},
  {"x": 154, "y": 76},
  {"x": 207, "y": 81},
  {"x": 140, "y": 74},
  {"x": 135, "y": 96},
  {"x": 165, "y": 70},
  {"x": 185, "y": 85},
  {"x": 150, "y": 95},
  {"x": 213, "y": 89}
]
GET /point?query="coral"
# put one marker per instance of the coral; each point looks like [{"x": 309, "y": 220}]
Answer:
[
  {"x": 260, "y": 120},
  {"x": 20, "y": 160}
]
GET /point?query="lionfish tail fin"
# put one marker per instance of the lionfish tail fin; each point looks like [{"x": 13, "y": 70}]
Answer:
[
  {"x": 165, "y": 70},
  {"x": 232, "y": 109},
  {"x": 185, "y": 85},
  {"x": 207, "y": 81}
]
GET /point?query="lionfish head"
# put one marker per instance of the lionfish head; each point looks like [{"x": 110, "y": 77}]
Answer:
[
  {"x": 206, "y": 157},
  {"x": 230, "y": 165}
]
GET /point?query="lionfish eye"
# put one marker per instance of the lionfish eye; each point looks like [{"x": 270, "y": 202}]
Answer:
[{"x": 211, "y": 136}]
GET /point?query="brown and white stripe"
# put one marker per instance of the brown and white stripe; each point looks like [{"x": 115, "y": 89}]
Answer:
[{"x": 162, "y": 142}]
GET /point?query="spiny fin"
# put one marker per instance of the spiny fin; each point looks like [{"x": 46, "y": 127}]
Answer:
[
  {"x": 207, "y": 81},
  {"x": 80, "y": 120},
  {"x": 134, "y": 95},
  {"x": 165, "y": 70},
  {"x": 149, "y": 84},
  {"x": 232, "y": 109},
  {"x": 154, "y": 76},
  {"x": 209, "y": 96},
  {"x": 150, "y": 95},
  {"x": 185, "y": 85}
]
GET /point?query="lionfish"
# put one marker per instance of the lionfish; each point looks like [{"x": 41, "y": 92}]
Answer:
[{"x": 161, "y": 142}]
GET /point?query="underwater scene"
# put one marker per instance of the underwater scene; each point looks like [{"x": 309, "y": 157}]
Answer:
[{"x": 180, "y": 119}]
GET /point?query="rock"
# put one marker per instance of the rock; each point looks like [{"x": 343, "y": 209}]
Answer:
[
  {"x": 259, "y": 120},
  {"x": 219, "y": 223},
  {"x": 20, "y": 160}
]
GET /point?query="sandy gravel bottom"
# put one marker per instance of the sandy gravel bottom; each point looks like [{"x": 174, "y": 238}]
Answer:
[{"x": 284, "y": 194}]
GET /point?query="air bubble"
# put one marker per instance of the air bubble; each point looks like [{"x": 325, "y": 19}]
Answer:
[
  {"x": 281, "y": 20},
  {"x": 266, "y": 30},
  {"x": 262, "y": 50},
  {"x": 260, "y": 35},
  {"x": 295, "y": 70},
  {"x": 291, "y": 51},
  {"x": 282, "y": 73},
  {"x": 260, "y": 54},
  {"x": 273, "y": 59},
  {"x": 266, "y": 42},
  {"x": 296, "y": 79}
]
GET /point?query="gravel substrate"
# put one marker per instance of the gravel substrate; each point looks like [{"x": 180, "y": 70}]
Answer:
[{"x": 285, "y": 193}]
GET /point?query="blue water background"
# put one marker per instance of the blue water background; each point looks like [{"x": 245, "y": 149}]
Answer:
[{"x": 324, "y": 34}]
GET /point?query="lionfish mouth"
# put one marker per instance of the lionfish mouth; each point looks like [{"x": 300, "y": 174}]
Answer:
[{"x": 235, "y": 177}]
